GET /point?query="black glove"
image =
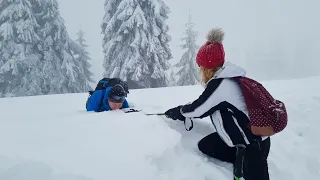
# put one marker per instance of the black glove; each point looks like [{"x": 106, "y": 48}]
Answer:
[{"x": 175, "y": 113}]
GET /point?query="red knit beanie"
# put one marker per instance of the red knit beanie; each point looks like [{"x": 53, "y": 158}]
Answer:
[{"x": 211, "y": 54}]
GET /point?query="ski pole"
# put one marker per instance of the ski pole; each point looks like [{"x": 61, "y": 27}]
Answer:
[{"x": 155, "y": 114}]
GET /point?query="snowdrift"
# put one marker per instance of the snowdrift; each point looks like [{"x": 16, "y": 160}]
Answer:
[{"x": 54, "y": 138}]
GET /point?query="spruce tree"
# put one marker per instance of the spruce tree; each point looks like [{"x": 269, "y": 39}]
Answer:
[
  {"x": 35, "y": 50},
  {"x": 82, "y": 56},
  {"x": 188, "y": 73},
  {"x": 135, "y": 42},
  {"x": 60, "y": 68},
  {"x": 20, "y": 53}
]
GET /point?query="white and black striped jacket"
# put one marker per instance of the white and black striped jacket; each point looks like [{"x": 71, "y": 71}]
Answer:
[{"x": 223, "y": 101}]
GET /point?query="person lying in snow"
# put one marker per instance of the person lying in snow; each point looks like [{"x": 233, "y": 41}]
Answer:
[
  {"x": 224, "y": 102},
  {"x": 108, "y": 98}
]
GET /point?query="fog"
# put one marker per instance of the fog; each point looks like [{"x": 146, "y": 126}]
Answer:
[{"x": 272, "y": 39}]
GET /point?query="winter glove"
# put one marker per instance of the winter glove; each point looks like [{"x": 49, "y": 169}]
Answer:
[{"x": 175, "y": 113}]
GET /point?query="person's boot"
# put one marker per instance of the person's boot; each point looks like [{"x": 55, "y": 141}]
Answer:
[{"x": 238, "y": 164}]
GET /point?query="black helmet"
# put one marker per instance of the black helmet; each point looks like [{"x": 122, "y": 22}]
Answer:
[{"x": 117, "y": 94}]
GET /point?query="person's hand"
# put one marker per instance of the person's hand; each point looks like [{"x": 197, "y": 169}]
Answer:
[
  {"x": 174, "y": 113},
  {"x": 262, "y": 131}
]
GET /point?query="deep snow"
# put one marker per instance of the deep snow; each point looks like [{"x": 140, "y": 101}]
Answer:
[{"x": 54, "y": 138}]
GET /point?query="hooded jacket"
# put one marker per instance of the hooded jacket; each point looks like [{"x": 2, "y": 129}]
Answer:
[
  {"x": 95, "y": 99},
  {"x": 223, "y": 101}
]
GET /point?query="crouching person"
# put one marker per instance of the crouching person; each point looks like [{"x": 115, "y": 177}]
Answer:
[
  {"x": 111, "y": 98},
  {"x": 243, "y": 131}
]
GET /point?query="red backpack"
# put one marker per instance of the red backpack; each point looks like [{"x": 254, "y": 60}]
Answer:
[{"x": 263, "y": 109}]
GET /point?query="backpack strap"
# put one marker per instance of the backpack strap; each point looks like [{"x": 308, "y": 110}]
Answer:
[
  {"x": 90, "y": 92},
  {"x": 101, "y": 101}
]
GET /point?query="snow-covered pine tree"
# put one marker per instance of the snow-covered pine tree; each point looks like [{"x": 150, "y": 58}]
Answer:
[
  {"x": 188, "y": 73},
  {"x": 35, "y": 50},
  {"x": 135, "y": 42},
  {"x": 20, "y": 56},
  {"x": 172, "y": 77},
  {"x": 82, "y": 55},
  {"x": 60, "y": 69}
]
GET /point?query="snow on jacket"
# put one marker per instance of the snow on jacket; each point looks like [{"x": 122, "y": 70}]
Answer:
[
  {"x": 95, "y": 99},
  {"x": 223, "y": 101}
]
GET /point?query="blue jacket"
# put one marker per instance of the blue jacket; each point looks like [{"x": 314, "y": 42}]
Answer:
[{"x": 95, "y": 98}]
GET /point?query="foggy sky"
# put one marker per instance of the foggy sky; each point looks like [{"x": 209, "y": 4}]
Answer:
[{"x": 247, "y": 23}]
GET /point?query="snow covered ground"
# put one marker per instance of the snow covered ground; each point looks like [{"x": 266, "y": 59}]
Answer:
[{"x": 54, "y": 138}]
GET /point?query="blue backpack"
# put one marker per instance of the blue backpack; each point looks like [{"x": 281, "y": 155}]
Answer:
[{"x": 105, "y": 83}]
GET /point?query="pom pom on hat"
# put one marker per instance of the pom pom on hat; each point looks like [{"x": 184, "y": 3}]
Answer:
[
  {"x": 211, "y": 54},
  {"x": 216, "y": 35}
]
